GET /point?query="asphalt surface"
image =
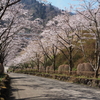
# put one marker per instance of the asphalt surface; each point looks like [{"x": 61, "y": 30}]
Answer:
[{"x": 27, "y": 87}]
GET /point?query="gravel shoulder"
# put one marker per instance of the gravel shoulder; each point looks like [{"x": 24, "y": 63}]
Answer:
[{"x": 28, "y": 87}]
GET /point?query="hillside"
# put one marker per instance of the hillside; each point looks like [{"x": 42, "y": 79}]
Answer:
[
  {"x": 41, "y": 10},
  {"x": 59, "y": 28}
]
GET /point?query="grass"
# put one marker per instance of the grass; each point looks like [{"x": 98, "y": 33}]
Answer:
[
  {"x": 2, "y": 77},
  {"x": 88, "y": 77},
  {"x": 69, "y": 75},
  {"x": 36, "y": 72},
  {"x": 81, "y": 77}
]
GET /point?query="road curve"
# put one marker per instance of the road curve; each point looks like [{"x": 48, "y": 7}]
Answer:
[{"x": 27, "y": 87}]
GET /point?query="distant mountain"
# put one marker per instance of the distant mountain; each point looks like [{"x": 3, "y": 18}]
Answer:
[
  {"x": 71, "y": 13},
  {"x": 41, "y": 10}
]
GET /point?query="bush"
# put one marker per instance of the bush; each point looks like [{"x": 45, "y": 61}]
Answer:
[
  {"x": 61, "y": 59},
  {"x": 85, "y": 69},
  {"x": 63, "y": 68},
  {"x": 49, "y": 69},
  {"x": 4, "y": 87},
  {"x": 41, "y": 69}
]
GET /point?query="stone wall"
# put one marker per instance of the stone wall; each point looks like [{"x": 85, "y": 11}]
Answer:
[{"x": 84, "y": 81}]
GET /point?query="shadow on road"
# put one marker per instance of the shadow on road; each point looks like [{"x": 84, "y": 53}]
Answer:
[
  {"x": 39, "y": 98},
  {"x": 12, "y": 90},
  {"x": 38, "y": 88},
  {"x": 17, "y": 77},
  {"x": 70, "y": 97}
]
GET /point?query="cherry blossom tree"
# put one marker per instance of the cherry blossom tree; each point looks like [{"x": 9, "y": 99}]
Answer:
[
  {"x": 90, "y": 10},
  {"x": 50, "y": 52},
  {"x": 13, "y": 19}
]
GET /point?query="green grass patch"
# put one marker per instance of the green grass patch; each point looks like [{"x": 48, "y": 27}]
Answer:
[{"x": 2, "y": 77}]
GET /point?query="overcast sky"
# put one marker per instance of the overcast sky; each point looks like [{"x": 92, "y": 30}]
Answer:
[{"x": 63, "y": 3}]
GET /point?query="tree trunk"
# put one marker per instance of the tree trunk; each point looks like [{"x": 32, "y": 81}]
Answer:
[
  {"x": 70, "y": 70},
  {"x": 54, "y": 65},
  {"x": 38, "y": 65},
  {"x": 97, "y": 51},
  {"x": 70, "y": 62},
  {"x": 1, "y": 68},
  {"x": 45, "y": 68},
  {"x": 96, "y": 74}
]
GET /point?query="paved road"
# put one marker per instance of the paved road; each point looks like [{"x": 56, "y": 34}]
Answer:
[{"x": 27, "y": 87}]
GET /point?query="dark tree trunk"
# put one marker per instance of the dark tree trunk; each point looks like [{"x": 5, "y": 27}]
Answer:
[
  {"x": 97, "y": 57},
  {"x": 38, "y": 65},
  {"x": 1, "y": 68},
  {"x": 54, "y": 64},
  {"x": 70, "y": 62},
  {"x": 96, "y": 74}
]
